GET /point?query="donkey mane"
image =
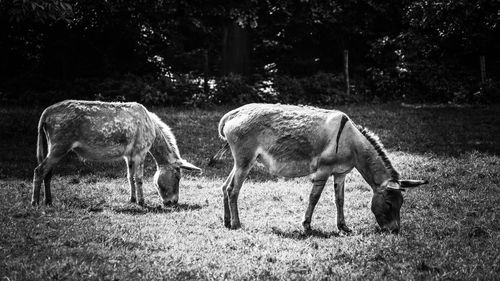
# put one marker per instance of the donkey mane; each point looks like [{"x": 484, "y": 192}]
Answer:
[
  {"x": 167, "y": 134},
  {"x": 379, "y": 147}
]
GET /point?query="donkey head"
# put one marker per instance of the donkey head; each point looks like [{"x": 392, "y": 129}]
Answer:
[
  {"x": 387, "y": 202},
  {"x": 167, "y": 178}
]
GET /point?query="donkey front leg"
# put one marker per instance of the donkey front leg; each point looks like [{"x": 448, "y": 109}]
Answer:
[
  {"x": 339, "y": 180},
  {"x": 317, "y": 189},
  {"x": 138, "y": 177},
  {"x": 130, "y": 177}
]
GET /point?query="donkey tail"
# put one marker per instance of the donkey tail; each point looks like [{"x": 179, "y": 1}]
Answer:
[
  {"x": 222, "y": 122},
  {"x": 41, "y": 143},
  {"x": 216, "y": 158},
  {"x": 225, "y": 148}
]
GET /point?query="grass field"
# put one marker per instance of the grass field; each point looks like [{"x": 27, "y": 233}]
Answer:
[{"x": 450, "y": 227}]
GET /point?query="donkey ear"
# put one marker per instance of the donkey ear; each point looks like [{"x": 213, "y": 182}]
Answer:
[
  {"x": 392, "y": 185},
  {"x": 412, "y": 183},
  {"x": 183, "y": 164}
]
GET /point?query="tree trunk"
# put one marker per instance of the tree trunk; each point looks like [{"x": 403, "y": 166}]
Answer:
[
  {"x": 205, "y": 73},
  {"x": 236, "y": 50},
  {"x": 482, "y": 62},
  {"x": 346, "y": 71}
]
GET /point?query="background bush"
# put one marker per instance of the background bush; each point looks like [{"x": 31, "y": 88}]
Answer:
[{"x": 423, "y": 82}]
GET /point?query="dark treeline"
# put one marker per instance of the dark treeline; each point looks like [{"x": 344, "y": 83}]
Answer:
[{"x": 214, "y": 51}]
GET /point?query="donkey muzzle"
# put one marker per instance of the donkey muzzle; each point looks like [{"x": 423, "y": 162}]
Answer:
[{"x": 392, "y": 228}]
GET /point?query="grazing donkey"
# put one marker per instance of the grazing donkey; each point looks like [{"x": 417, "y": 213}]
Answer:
[
  {"x": 294, "y": 141},
  {"x": 102, "y": 131}
]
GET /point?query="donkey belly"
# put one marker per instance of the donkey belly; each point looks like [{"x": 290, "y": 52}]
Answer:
[
  {"x": 100, "y": 153},
  {"x": 286, "y": 167}
]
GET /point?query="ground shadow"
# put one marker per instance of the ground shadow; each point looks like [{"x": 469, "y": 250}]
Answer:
[
  {"x": 125, "y": 208},
  {"x": 301, "y": 235},
  {"x": 133, "y": 209}
]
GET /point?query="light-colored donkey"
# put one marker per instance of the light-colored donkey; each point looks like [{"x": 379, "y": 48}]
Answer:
[
  {"x": 102, "y": 131},
  {"x": 294, "y": 141}
]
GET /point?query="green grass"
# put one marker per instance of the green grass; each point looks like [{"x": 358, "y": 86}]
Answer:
[{"x": 450, "y": 227}]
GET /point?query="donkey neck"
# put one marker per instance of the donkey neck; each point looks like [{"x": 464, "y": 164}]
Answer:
[
  {"x": 164, "y": 152},
  {"x": 372, "y": 162}
]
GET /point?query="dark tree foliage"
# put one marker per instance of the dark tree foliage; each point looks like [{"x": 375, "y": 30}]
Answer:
[
  {"x": 309, "y": 36},
  {"x": 415, "y": 49},
  {"x": 25, "y": 31}
]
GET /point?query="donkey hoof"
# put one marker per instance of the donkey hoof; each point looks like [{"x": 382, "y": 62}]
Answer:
[
  {"x": 235, "y": 226},
  {"x": 34, "y": 203},
  {"x": 48, "y": 202},
  {"x": 307, "y": 227},
  {"x": 344, "y": 228},
  {"x": 141, "y": 203},
  {"x": 170, "y": 204},
  {"x": 308, "y": 231},
  {"x": 133, "y": 200}
]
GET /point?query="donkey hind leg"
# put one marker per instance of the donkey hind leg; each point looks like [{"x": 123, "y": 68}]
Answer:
[
  {"x": 339, "y": 180},
  {"x": 48, "y": 194},
  {"x": 227, "y": 214},
  {"x": 233, "y": 190},
  {"x": 138, "y": 179},
  {"x": 43, "y": 172},
  {"x": 317, "y": 189},
  {"x": 130, "y": 177}
]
